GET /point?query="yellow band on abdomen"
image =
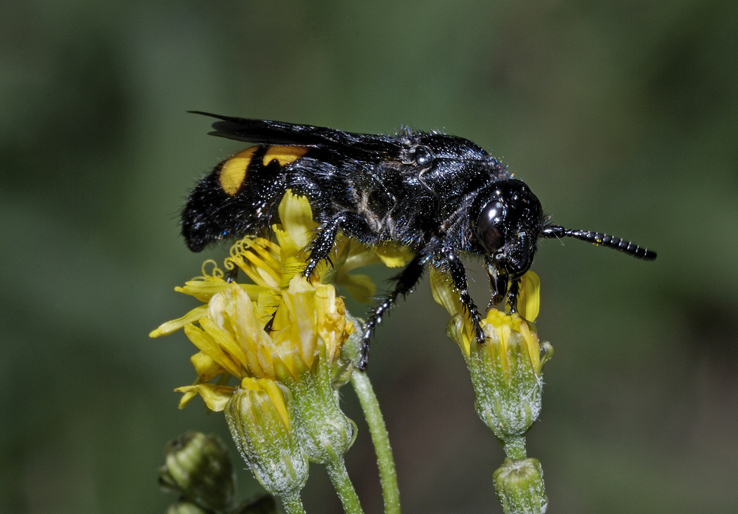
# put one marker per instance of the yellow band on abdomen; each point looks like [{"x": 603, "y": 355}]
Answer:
[
  {"x": 234, "y": 170},
  {"x": 284, "y": 154}
]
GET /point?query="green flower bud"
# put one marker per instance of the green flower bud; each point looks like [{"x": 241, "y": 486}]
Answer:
[
  {"x": 262, "y": 430},
  {"x": 519, "y": 486},
  {"x": 198, "y": 467},
  {"x": 324, "y": 431}
]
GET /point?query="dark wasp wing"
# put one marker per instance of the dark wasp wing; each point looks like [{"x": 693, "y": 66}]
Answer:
[
  {"x": 362, "y": 146},
  {"x": 240, "y": 196}
]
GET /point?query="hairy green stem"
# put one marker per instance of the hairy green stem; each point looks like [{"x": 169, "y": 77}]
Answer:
[
  {"x": 380, "y": 439},
  {"x": 293, "y": 503},
  {"x": 514, "y": 447},
  {"x": 345, "y": 489}
]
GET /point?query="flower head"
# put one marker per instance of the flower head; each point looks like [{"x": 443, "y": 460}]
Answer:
[
  {"x": 261, "y": 428},
  {"x": 235, "y": 335},
  {"x": 279, "y": 321},
  {"x": 506, "y": 370}
]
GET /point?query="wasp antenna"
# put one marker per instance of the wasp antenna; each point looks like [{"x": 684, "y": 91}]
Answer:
[{"x": 597, "y": 238}]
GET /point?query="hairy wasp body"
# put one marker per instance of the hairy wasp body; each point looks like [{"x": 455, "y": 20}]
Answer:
[{"x": 440, "y": 195}]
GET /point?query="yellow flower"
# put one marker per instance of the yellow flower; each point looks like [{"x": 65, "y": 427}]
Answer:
[
  {"x": 279, "y": 321},
  {"x": 509, "y": 332},
  {"x": 501, "y": 324},
  {"x": 506, "y": 370},
  {"x": 232, "y": 337}
]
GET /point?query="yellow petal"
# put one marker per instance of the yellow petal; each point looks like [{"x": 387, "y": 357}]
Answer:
[
  {"x": 299, "y": 300},
  {"x": 250, "y": 334},
  {"x": 288, "y": 247},
  {"x": 203, "y": 288},
  {"x": 174, "y": 325},
  {"x": 208, "y": 345},
  {"x": 297, "y": 218},
  {"x": 530, "y": 340},
  {"x": 215, "y": 396},
  {"x": 187, "y": 398},
  {"x": 274, "y": 392},
  {"x": 392, "y": 255},
  {"x": 206, "y": 368},
  {"x": 443, "y": 292},
  {"x": 227, "y": 346},
  {"x": 529, "y": 299}
]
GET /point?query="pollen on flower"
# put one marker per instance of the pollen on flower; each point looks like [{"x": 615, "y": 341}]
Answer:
[
  {"x": 509, "y": 335},
  {"x": 498, "y": 319}
]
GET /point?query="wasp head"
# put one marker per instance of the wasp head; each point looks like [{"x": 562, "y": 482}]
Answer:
[{"x": 507, "y": 222}]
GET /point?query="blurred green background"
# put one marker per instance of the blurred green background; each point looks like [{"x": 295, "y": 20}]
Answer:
[{"x": 621, "y": 116}]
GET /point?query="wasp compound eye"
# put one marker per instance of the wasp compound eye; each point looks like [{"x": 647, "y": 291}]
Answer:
[{"x": 489, "y": 224}]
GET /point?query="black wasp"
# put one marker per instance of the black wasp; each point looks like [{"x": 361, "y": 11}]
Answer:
[{"x": 440, "y": 195}]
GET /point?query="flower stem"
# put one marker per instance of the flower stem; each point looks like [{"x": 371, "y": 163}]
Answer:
[
  {"x": 380, "y": 439},
  {"x": 514, "y": 447},
  {"x": 292, "y": 503},
  {"x": 345, "y": 489}
]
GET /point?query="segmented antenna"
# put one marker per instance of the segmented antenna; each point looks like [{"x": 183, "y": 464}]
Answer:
[{"x": 597, "y": 238}]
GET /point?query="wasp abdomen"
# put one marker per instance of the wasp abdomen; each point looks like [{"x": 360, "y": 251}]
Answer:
[{"x": 239, "y": 197}]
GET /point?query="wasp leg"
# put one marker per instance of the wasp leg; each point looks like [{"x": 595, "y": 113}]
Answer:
[
  {"x": 320, "y": 249},
  {"x": 498, "y": 283},
  {"x": 405, "y": 281},
  {"x": 458, "y": 276},
  {"x": 512, "y": 295}
]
